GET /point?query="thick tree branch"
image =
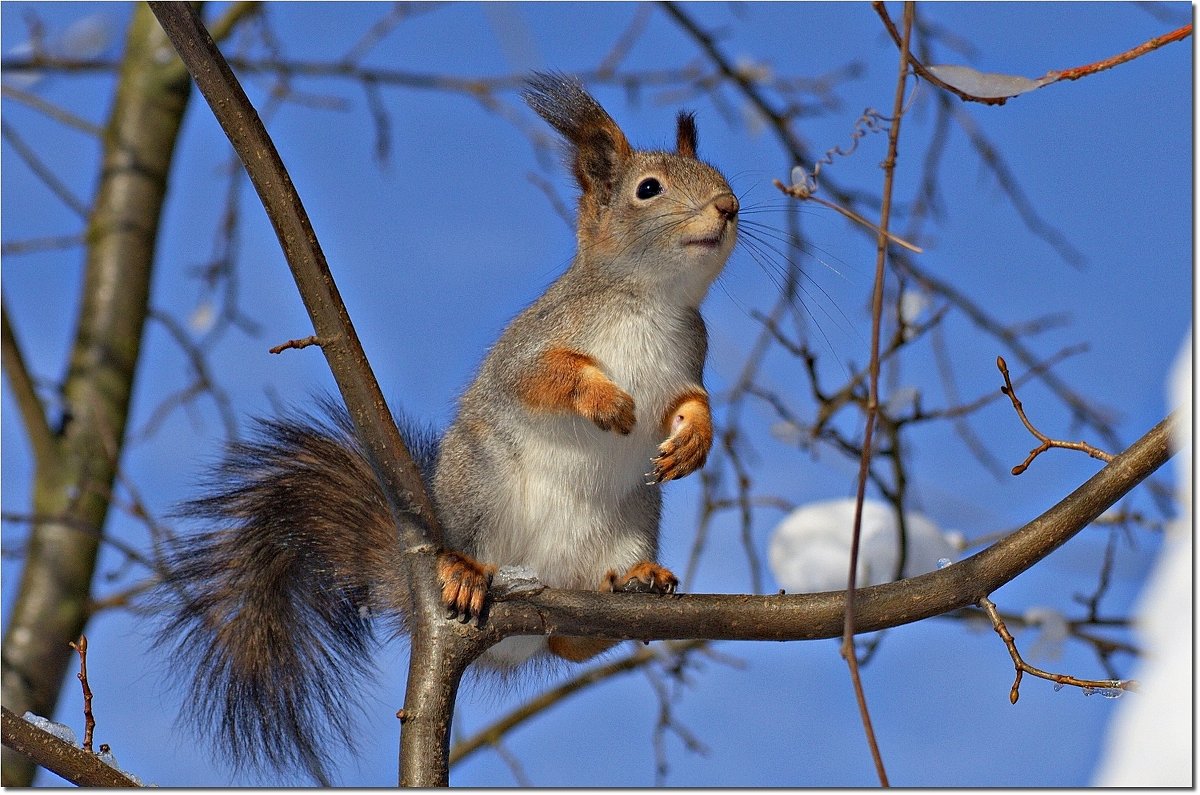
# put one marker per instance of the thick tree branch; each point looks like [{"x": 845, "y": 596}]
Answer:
[
  {"x": 58, "y": 756},
  {"x": 304, "y": 256},
  {"x": 437, "y": 658}
]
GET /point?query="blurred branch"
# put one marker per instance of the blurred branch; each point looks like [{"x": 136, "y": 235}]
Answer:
[
  {"x": 491, "y": 735},
  {"x": 1008, "y": 183},
  {"x": 748, "y": 87},
  {"x": 38, "y": 244},
  {"x": 41, "y": 170},
  {"x": 1080, "y": 408},
  {"x": 51, "y": 110},
  {"x": 33, "y": 414},
  {"x": 203, "y": 382},
  {"x": 72, "y": 491}
]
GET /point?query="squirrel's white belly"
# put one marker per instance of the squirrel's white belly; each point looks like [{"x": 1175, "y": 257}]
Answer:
[{"x": 563, "y": 499}]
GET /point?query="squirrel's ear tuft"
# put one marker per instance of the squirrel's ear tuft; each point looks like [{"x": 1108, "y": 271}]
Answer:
[
  {"x": 599, "y": 148},
  {"x": 685, "y": 135}
]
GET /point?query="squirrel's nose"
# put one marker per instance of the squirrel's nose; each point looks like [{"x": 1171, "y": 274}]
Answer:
[{"x": 727, "y": 205}]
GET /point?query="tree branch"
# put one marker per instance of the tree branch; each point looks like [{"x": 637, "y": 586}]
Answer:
[
  {"x": 439, "y": 651},
  {"x": 58, "y": 756},
  {"x": 33, "y": 413}
]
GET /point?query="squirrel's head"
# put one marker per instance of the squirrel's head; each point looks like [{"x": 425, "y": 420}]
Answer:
[{"x": 656, "y": 214}]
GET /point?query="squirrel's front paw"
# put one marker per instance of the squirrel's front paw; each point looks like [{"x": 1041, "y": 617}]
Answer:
[
  {"x": 689, "y": 438},
  {"x": 464, "y": 582},
  {"x": 609, "y": 406},
  {"x": 567, "y": 380},
  {"x": 644, "y": 577}
]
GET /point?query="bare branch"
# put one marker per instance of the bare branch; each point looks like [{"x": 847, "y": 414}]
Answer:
[
  {"x": 89, "y": 720},
  {"x": 59, "y": 757},
  {"x": 33, "y": 413},
  {"x": 42, "y": 171},
  {"x": 1046, "y": 441},
  {"x": 1136, "y": 52},
  {"x": 1022, "y": 667}
]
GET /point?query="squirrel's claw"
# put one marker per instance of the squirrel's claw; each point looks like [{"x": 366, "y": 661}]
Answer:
[
  {"x": 680, "y": 455},
  {"x": 644, "y": 577},
  {"x": 464, "y": 582}
]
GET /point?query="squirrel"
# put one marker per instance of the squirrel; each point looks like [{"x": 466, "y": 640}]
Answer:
[{"x": 591, "y": 398}]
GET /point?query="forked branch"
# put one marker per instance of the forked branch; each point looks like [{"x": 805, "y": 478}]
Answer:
[{"x": 1046, "y": 441}]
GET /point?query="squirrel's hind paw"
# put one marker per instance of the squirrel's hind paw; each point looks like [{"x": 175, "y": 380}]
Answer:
[
  {"x": 464, "y": 582},
  {"x": 644, "y": 577}
]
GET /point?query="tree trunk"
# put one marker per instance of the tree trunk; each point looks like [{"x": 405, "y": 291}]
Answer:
[{"x": 76, "y": 468}]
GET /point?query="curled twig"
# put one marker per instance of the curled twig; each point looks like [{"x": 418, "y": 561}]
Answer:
[
  {"x": 1046, "y": 441},
  {"x": 1109, "y": 687}
]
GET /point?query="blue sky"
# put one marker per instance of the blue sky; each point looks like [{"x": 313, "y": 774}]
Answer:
[{"x": 435, "y": 250}]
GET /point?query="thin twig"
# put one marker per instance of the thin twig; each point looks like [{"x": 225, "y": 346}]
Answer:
[
  {"x": 89, "y": 720},
  {"x": 889, "y": 168},
  {"x": 1089, "y": 685},
  {"x": 1046, "y": 441},
  {"x": 33, "y": 412},
  {"x": 1128, "y": 55},
  {"x": 297, "y": 344}
]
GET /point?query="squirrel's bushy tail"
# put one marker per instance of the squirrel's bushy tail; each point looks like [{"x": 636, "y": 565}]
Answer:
[{"x": 270, "y": 604}]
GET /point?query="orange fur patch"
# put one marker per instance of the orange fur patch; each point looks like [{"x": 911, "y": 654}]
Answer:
[
  {"x": 575, "y": 649},
  {"x": 567, "y": 380}
]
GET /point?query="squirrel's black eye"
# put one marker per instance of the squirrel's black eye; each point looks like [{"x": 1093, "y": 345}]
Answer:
[{"x": 649, "y": 188}]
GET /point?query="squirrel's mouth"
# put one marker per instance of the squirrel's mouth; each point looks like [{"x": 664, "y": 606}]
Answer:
[{"x": 710, "y": 241}]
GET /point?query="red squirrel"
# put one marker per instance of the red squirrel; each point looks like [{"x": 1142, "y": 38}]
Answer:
[{"x": 589, "y": 401}]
